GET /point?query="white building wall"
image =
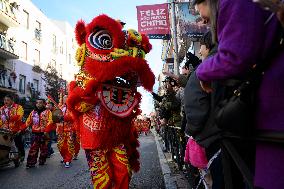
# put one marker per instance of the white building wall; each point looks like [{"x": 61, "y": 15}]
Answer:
[
  {"x": 70, "y": 47},
  {"x": 45, "y": 46}
]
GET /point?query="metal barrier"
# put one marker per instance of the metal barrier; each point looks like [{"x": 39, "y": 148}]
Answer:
[{"x": 27, "y": 137}]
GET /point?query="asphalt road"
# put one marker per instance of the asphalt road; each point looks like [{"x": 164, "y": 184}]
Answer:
[{"x": 53, "y": 175}]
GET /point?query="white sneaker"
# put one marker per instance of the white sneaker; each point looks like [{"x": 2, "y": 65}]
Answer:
[{"x": 67, "y": 164}]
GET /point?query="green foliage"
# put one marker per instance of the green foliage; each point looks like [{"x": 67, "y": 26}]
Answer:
[{"x": 54, "y": 83}]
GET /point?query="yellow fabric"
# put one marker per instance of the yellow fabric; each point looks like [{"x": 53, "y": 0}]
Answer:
[
  {"x": 45, "y": 121},
  {"x": 15, "y": 111}
]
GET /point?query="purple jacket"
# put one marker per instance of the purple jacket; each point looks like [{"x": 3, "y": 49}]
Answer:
[{"x": 245, "y": 40}]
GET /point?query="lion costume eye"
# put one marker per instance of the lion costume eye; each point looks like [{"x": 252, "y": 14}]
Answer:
[{"x": 101, "y": 40}]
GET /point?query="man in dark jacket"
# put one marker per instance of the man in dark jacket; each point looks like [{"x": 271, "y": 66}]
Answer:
[
  {"x": 198, "y": 106},
  {"x": 197, "y": 101}
]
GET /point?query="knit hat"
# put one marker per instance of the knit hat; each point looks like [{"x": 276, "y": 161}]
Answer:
[
  {"x": 192, "y": 60},
  {"x": 206, "y": 40},
  {"x": 195, "y": 2}
]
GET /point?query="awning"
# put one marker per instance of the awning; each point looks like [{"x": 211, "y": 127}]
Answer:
[{"x": 7, "y": 55}]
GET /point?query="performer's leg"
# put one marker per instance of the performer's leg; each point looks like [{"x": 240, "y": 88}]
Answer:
[
  {"x": 20, "y": 145},
  {"x": 43, "y": 150},
  {"x": 66, "y": 149},
  {"x": 70, "y": 149},
  {"x": 99, "y": 167},
  {"x": 76, "y": 145},
  {"x": 60, "y": 144},
  {"x": 120, "y": 167},
  {"x": 33, "y": 152}
]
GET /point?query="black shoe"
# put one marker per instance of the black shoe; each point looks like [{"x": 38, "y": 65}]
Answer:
[{"x": 41, "y": 164}]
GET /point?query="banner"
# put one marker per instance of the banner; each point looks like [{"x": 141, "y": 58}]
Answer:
[
  {"x": 153, "y": 20},
  {"x": 189, "y": 22}
]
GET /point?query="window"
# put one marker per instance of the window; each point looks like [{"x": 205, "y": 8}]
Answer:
[
  {"x": 73, "y": 43},
  {"x": 38, "y": 25},
  {"x": 171, "y": 67},
  {"x": 36, "y": 84},
  {"x": 37, "y": 57},
  {"x": 53, "y": 63},
  {"x": 60, "y": 70},
  {"x": 54, "y": 43},
  {"x": 24, "y": 51},
  {"x": 61, "y": 48},
  {"x": 69, "y": 58},
  {"x": 38, "y": 31},
  {"x": 26, "y": 16},
  {"x": 22, "y": 84},
  {"x": 3, "y": 41}
]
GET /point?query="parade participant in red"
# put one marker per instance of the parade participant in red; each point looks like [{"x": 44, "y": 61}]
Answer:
[
  {"x": 145, "y": 126},
  {"x": 41, "y": 121},
  {"x": 11, "y": 120},
  {"x": 104, "y": 97},
  {"x": 65, "y": 130},
  {"x": 11, "y": 115},
  {"x": 50, "y": 106}
]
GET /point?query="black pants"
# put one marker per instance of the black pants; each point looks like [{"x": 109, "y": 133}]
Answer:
[
  {"x": 216, "y": 168},
  {"x": 232, "y": 174},
  {"x": 20, "y": 144}
]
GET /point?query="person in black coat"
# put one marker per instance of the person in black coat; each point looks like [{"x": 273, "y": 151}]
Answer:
[{"x": 198, "y": 107}]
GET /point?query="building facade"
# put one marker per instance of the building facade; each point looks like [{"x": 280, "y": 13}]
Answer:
[
  {"x": 39, "y": 42},
  {"x": 9, "y": 18}
]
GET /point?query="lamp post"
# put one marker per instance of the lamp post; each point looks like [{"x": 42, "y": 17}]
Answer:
[{"x": 174, "y": 37}]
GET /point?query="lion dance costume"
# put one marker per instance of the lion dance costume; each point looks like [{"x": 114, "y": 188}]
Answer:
[{"x": 104, "y": 97}]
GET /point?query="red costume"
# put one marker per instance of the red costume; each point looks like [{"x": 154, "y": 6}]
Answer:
[
  {"x": 41, "y": 122},
  {"x": 104, "y": 97},
  {"x": 11, "y": 118},
  {"x": 76, "y": 141},
  {"x": 65, "y": 132}
]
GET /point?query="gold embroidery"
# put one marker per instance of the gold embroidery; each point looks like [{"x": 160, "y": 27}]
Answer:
[{"x": 121, "y": 156}]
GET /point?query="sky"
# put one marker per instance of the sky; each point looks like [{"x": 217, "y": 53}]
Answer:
[{"x": 125, "y": 10}]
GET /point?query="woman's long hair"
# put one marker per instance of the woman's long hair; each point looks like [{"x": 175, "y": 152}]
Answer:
[{"x": 213, "y": 5}]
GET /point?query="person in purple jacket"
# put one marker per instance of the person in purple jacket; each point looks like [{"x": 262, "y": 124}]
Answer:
[{"x": 247, "y": 35}]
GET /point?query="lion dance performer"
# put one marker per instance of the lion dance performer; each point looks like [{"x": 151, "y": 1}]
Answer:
[
  {"x": 11, "y": 115},
  {"x": 41, "y": 121},
  {"x": 65, "y": 130},
  {"x": 104, "y": 98}
]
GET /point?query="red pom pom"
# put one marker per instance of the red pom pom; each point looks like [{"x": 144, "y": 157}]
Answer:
[
  {"x": 80, "y": 32},
  {"x": 146, "y": 45}
]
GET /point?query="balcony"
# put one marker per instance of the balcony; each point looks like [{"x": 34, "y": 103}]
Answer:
[
  {"x": 7, "y": 47},
  {"x": 36, "y": 68},
  {"x": 7, "y": 79},
  {"x": 9, "y": 13}
]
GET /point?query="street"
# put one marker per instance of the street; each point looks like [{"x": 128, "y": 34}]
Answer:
[{"x": 54, "y": 175}]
